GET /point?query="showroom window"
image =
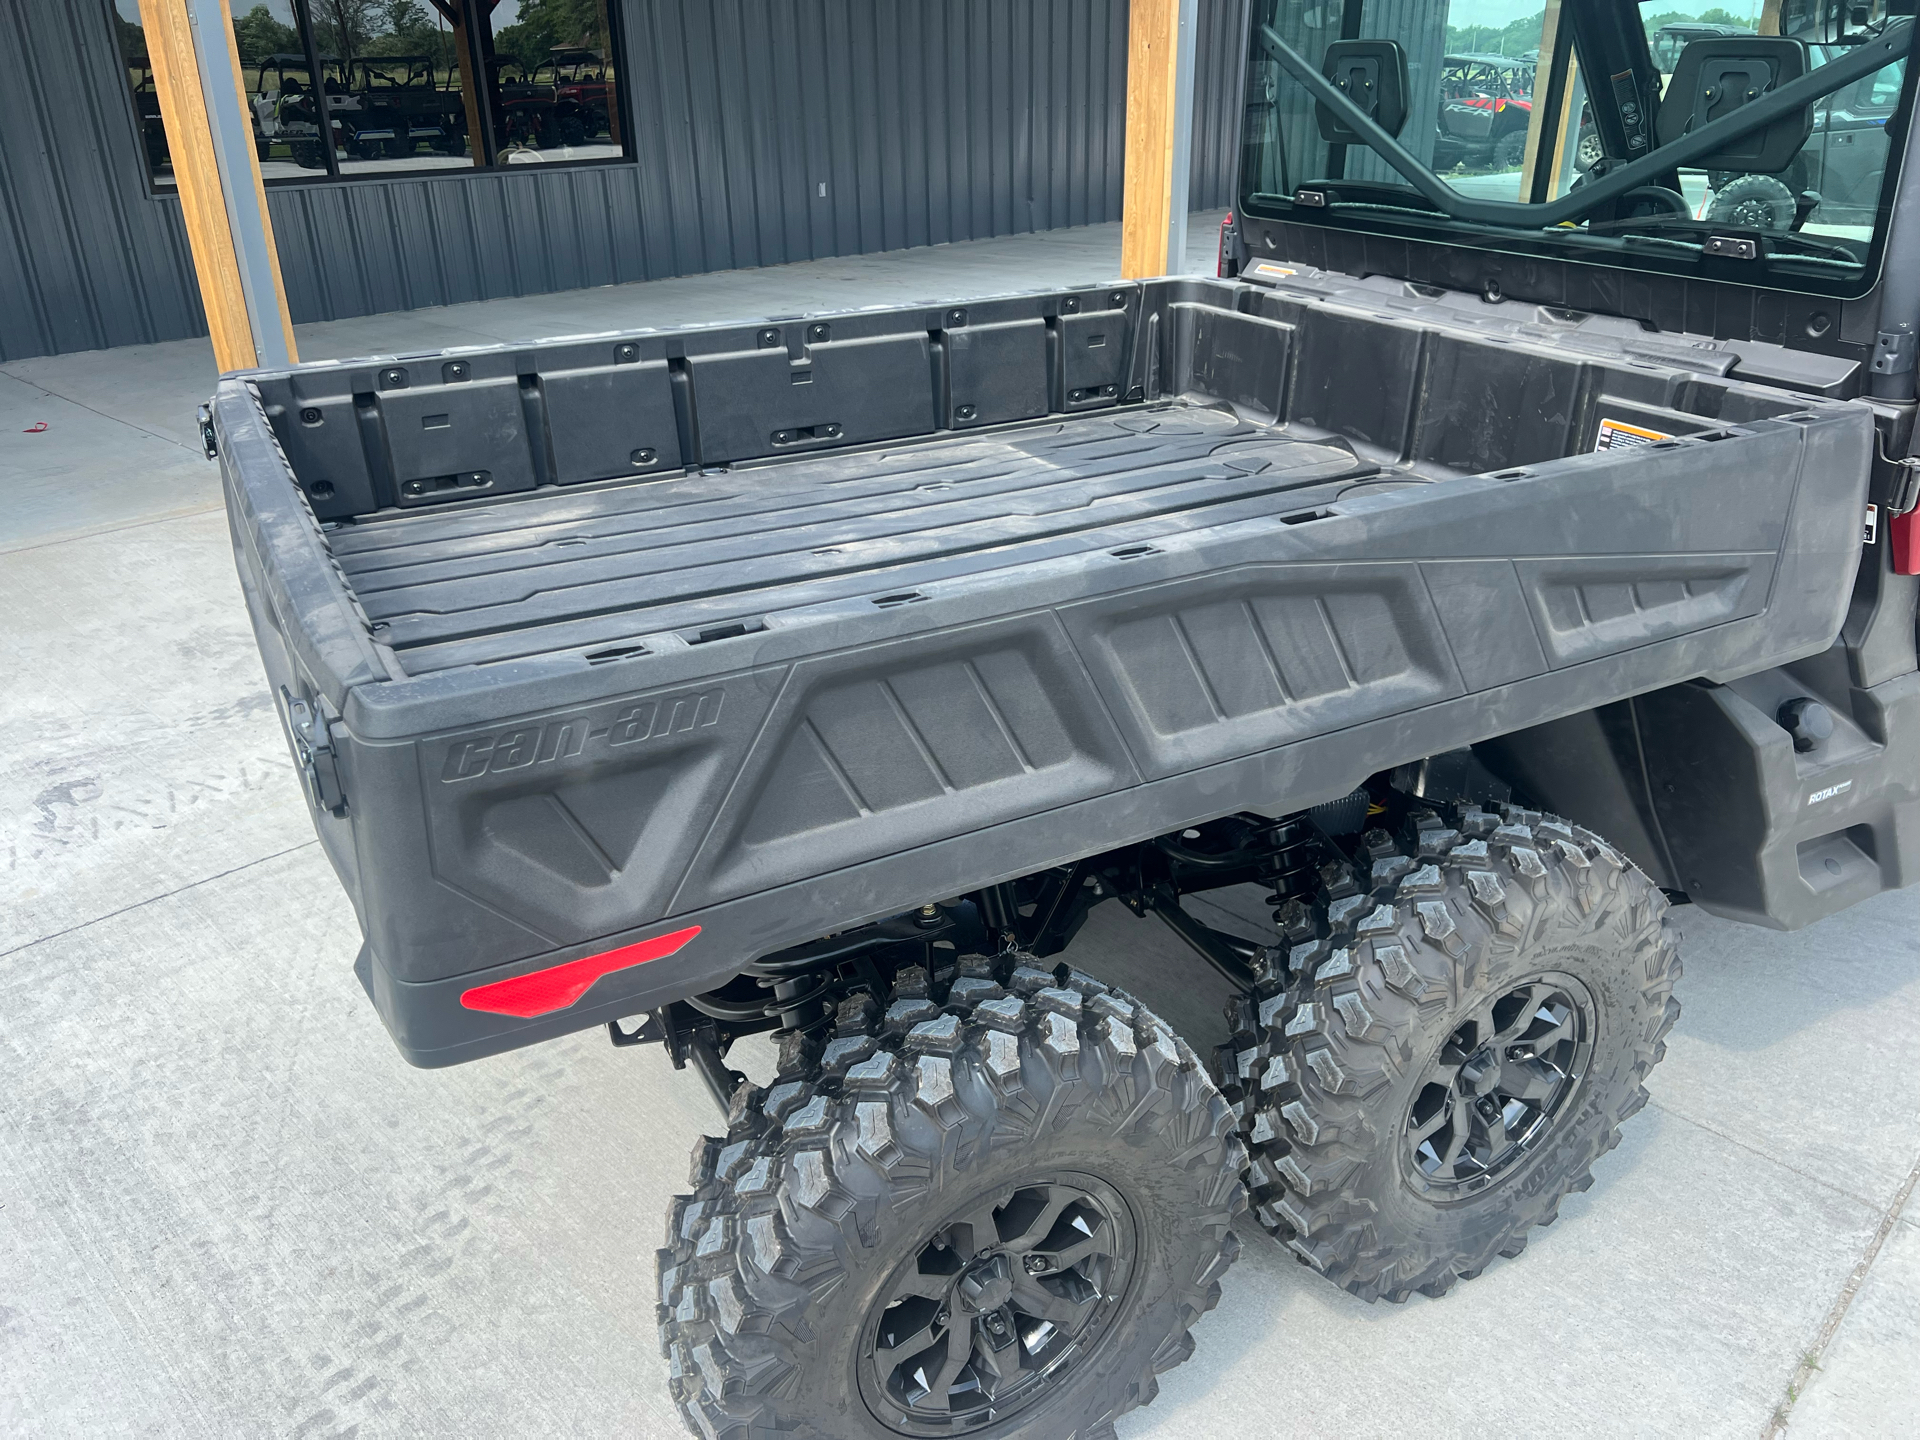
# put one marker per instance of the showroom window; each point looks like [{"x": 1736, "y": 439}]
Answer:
[{"x": 352, "y": 88}]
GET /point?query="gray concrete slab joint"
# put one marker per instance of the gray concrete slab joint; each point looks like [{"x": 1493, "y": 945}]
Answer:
[{"x": 1809, "y": 1366}]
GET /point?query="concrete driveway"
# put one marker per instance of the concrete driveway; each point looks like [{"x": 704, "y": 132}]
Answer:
[{"x": 227, "y": 1207}]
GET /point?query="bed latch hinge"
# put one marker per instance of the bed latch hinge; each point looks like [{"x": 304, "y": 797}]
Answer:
[
  {"x": 313, "y": 747},
  {"x": 1894, "y": 352},
  {"x": 1905, "y": 491},
  {"x": 207, "y": 440}
]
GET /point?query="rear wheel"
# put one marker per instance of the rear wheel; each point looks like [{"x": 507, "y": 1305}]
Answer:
[
  {"x": 994, "y": 1208},
  {"x": 1457, "y": 1039},
  {"x": 1510, "y": 150}
]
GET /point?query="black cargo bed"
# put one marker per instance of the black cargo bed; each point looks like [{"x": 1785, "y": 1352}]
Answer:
[
  {"x": 756, "y": 633},
  {"x": 561, "y": 569}
]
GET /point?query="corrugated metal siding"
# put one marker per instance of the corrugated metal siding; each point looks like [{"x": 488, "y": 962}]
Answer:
[
  {"x": 1219, "y": 54},
  {"x": 86, "y": 259},
  {"x": 928, "y": 122}
]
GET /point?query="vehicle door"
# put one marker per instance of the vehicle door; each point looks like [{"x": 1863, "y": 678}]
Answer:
[
  {"x": 1467, "y": 108},
  {"x": 1853, "y": 149}
]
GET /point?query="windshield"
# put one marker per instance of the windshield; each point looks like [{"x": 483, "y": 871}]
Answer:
[{"x": 1497, "y": 101}]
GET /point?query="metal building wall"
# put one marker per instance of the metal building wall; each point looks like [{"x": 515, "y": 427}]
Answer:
[
  {"x": 86, "y": 258},
  {"x": 926, "y": 122},
  {"x": 1220, "y": 55}
]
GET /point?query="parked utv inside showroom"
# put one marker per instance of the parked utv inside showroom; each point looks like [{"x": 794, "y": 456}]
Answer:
[{"x": 1478, "y": 567}]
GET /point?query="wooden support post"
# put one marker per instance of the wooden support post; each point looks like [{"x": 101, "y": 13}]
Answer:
[
  {"x": 1540, "y": 126},
  {"x": 1160, "y": 54},
  {"x": 463, "y": 56},
  {"x": 1566, "y": 130},
  {"x": 196, "y": 74}
]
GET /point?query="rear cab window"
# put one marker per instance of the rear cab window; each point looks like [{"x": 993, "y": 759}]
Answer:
[{"x": 1516, "y": 116}]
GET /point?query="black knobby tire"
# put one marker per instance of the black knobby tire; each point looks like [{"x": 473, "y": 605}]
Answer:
[
  {"x": 1753, "y": 202},
  {"x": 830, "y": 1181},
  {"x": 1510, "y": 150},
  {"x": 1332, "y": 1066}
]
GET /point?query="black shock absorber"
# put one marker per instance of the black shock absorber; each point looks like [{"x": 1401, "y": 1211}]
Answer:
[
  {"x": 1290, "y": 851},
  {"x": 805, "y": 985},
  {"x": 800, "y": 1000}
]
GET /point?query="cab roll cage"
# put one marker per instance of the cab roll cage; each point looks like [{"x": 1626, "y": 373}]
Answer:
[{"x": 1861, "y": 60}]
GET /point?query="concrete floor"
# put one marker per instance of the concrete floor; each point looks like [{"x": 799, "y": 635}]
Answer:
[{"x": 227, "y": 1207}]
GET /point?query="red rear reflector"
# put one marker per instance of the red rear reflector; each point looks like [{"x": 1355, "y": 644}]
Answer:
[{"x": 545, "y": 991}]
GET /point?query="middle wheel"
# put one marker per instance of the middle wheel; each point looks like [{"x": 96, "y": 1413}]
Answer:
[{"x": 1457, "y": 1039}]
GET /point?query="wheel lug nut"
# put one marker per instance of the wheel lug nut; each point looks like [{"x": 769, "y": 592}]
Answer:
[{"x": 1038, "y": 1265}]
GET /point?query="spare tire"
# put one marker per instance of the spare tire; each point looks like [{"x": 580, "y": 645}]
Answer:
[{"x": 1753, "y": 202}]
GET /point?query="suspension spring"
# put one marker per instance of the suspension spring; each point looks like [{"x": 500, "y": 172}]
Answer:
[
  {"x": 1289, "y": 850},
  {"x": 798, "y": 999}
]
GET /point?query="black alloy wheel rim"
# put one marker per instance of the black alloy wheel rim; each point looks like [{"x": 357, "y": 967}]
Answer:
[
  {"x": 1498, "y": 1087},
  {"x": 998, "y": 1306}
]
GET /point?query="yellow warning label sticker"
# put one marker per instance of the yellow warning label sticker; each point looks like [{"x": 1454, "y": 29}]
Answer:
[
  {"x": 1268, "y": 270},
  {"x": 1619, "y": 435}
]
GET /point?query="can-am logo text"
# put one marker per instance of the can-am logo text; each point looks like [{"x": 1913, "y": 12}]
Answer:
[{"x": 471, "y": 756}]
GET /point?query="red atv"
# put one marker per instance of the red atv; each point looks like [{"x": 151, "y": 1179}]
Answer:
[{"x": 1485, "y": 104}]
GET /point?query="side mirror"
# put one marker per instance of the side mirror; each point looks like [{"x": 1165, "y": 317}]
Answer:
[
  {"x": 1373, "y": 75},
  {"x": 1833, "y": 22}
]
